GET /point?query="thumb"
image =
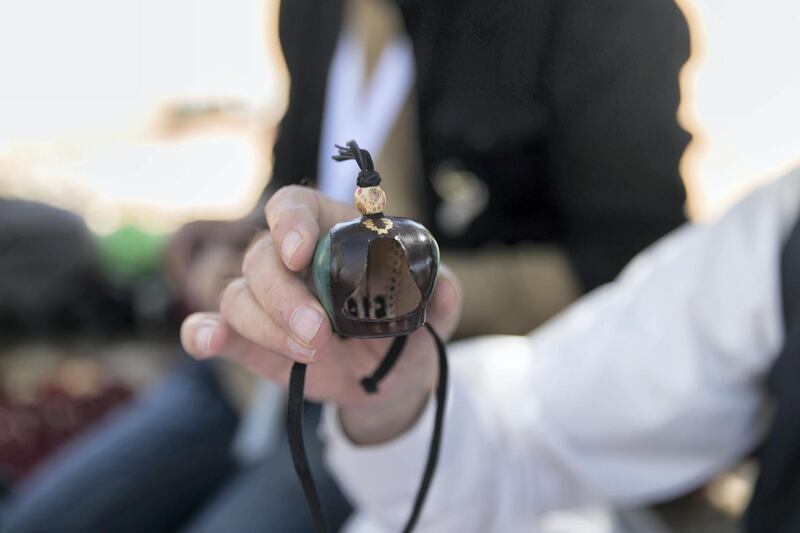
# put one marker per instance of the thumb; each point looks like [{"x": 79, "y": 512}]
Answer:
[{"x": 444, "y": 309}]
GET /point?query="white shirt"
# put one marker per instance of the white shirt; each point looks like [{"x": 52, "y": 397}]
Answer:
[{"x": 642, "y": 390}]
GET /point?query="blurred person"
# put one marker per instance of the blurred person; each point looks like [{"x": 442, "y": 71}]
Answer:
[
  {"x": 541, "y": 138},
  {"x": 537, "y": 140},
  {"x": 51, "y": 281},
  {"x": 642, "y": 390}
]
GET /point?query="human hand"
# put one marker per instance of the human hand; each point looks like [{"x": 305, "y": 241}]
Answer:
[
  {"x": 204, "y": 255},
  {"x": 269, "y": 318}
]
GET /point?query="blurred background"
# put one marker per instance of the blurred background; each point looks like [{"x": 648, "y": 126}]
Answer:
[
  {"x": 113, "y": 111},
  {"x": 137, "y": 116},
  {"x": 140, "y": 116}
]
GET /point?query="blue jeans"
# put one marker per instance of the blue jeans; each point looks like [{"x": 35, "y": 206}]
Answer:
[{"x": 163, "y": 463}]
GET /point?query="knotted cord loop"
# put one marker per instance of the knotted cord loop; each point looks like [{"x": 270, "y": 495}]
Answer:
[
  {"x": 370, "y": 383},
  {"x": 294, "y": 425},
  {"x": 368, "y": 177}
]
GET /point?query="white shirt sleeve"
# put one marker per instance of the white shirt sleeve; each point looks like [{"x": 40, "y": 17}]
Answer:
[{"x": 642, "y": 390}]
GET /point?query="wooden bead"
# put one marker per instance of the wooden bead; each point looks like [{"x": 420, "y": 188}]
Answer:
[{"x": 370, "y": 200}]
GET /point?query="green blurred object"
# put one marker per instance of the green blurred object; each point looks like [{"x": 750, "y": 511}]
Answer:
[{"x": 131, "y": 252}]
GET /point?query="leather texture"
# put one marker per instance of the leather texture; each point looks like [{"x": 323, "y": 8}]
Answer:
[{"x": 350, "y": 244}]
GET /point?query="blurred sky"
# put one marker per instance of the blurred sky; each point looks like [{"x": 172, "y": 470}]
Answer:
[
  {"x": 83, "y": 90},
  {"x": 86, "y": 88},
  {"x": 741, "y": 96}
]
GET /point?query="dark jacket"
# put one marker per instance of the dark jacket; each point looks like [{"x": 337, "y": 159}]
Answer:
[
  {"x": 775, "y": 506},
  {"x": 565, "y": 109}
]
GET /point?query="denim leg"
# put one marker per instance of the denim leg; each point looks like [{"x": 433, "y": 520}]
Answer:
[
  {"x": 147, "y": 467},
  {"x": 267, "y": 497}
]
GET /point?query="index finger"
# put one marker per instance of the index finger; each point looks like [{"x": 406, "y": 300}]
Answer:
[{"x": 297, "y": 216}]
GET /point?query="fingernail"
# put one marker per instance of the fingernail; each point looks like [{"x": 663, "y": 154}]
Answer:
[
  {"x": 305, "y": 323},
  {"x": 297, "y": 349},
  {"x": 204, "y": 335},
  {"x": 291, "y": 242}
]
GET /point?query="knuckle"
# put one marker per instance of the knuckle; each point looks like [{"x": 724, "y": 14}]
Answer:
[
  {"x": 230, "y": 295},
  {"x": 295, "y": 190},
  {"x": 254, "y": 258},
  {"x": 274, "y": 201},
  {"x": 300, "y": 216},
  {"x": 287, "y": 199},
  {"x": 304, "y": 212},
  {"x": 266, "y": 331},
  {"x": 278, "y": 300},
  {"x": 249, "y": 262},
  {"x": 282, "y": 195}
]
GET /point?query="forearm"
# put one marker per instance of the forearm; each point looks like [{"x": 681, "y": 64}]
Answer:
[
  {"x": 642, "y": 390},
  {"x": 389, "y": 416},
  {"x": 382, "y": 479}
]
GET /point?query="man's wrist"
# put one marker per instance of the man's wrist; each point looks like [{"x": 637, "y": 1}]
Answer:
[{"x": 379, "y": 422}]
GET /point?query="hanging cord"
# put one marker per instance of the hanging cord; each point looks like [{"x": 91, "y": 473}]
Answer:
[
  {"x": 436, "y": 438},
  {"x": 294, "y": 425},
  {"x": 370, "y": 383}
]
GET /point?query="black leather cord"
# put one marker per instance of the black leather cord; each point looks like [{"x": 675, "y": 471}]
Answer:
[
  {"x": 370, "y": 383},
  {"x": 294, "y": 428},
  {"x": 436, "y": 438},
  {"x": 294, "y": 425}
]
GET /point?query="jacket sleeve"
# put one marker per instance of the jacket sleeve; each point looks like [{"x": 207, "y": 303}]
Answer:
[
  {"x": 612, "y": 81},
  {"x": 641, "y": 391},
  {"x": 308, "y": 33}
]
